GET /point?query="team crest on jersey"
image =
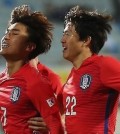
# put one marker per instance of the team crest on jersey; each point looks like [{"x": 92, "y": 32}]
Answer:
[
  {"x": 15, "y": 94},
  {"x": 85, "y": 81}
]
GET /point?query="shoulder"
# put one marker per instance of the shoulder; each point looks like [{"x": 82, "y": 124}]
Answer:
[
  {"x": 109, "y": 61},
  {"x": 109, "y": 58},
  {"x": 106, "y": 60},
  {"x": 32, "y": 75},
  {"x": 109, "y": 65},
  {"x": 35, "y": 80},
  {"x": 29, "y": 71},
  {"x": 46, "y": 71},
  {"x": 54, "y": 78}
]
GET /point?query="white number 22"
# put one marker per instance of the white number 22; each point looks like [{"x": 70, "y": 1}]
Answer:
[{"x": 71, "y": 101}]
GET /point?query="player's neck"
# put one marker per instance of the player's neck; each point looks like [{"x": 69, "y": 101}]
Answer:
[
  {"x": 14, "y": 66},
  {"x": 80, "y": 59}
]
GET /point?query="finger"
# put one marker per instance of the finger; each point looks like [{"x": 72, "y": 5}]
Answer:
[
  {"x": 42, "y": 129},
  {"x": 36, "y": 119},
  {"x": 37, "y": 123}
]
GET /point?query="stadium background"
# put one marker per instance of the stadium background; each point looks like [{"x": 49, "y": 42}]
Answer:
[{"x": 55, "y": 11}]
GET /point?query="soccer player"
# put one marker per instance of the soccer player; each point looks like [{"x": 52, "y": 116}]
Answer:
[
  {"x": 90, "y": 95},
  {"x": 25, "y": 92},
  {"x": 56, "y": 84}
]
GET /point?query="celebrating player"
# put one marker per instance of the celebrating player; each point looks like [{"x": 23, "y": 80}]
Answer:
[
  {"x": 25, "y": 92},
  {"x": 90, "y": 95}
]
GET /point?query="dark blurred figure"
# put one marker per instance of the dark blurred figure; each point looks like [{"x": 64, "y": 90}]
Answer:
[{"x": 116, "y": 4}]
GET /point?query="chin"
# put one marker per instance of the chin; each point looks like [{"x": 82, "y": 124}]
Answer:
[
  {"x": 0, "y": 50},
  {"x": 66, "y": 57}
]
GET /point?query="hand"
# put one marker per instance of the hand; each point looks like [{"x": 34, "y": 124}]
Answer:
[{"x": 37, "y": 123}]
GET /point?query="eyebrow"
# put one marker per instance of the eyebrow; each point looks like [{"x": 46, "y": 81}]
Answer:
[{"x": 14, "y": 29}]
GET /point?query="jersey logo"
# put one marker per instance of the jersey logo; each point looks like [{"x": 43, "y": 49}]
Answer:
[
  {"x": 15, "y": 94},
  {"x": 51, "y": 101},
  {"x": 85, "y": 81}
]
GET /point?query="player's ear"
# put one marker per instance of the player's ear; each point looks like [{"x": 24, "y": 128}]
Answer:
[
  {"x": 31, "y": 46},
  {"x": 87, "y": 41}
]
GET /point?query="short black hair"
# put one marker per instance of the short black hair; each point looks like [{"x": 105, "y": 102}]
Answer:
[{"x": 90, "y": 23}]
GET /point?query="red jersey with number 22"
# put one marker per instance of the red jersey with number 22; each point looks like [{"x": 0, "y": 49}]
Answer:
[{"x": 90, "y": 96}]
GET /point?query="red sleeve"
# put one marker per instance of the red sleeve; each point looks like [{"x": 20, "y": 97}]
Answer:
[
  {"x": 52, "y": 77},
  {"x": 56, "y": 85},
  {"x": 43, "y": 97},
  {"x": 55, "y": 126},
  {"x": 44, "y": 100},
  {"x": 110, "y": 73},
  {"x": 55, "y": 82}
]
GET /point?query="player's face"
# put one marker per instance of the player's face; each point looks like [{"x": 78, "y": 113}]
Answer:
[
  {"x": 15, "y": 42},
  {"x": 72, "y": 46}
]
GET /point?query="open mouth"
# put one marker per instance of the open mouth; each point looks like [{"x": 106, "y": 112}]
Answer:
[
  {"x": 64, "y": 48},
  {"x": 4, "y": 45}
]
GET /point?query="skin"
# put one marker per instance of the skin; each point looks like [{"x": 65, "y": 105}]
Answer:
[
  {"x": 34, "y": 63},
  {"x": 37, "y": 123},
  {"x": 74, "y": 50},
  {"x": 15, "y": 48},
  {"x": 13, "y": 43}
]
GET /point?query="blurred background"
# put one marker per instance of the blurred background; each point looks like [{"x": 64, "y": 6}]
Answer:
[{"x": 55, "y": 11}]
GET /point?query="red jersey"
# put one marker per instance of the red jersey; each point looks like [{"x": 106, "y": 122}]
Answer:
[
  {"x": 90, "y": 96},
  {"x": 24, "y": 95},
  {"x": 54, "y": 79},
  {"x": 55, "y": 82}
]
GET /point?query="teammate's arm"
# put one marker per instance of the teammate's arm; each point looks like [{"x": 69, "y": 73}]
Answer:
[
  {"x": 44, "y": 100},
  {"x": 38, "y": 124}
]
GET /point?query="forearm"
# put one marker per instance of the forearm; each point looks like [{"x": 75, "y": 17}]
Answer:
[{"x": 54, "y": 124}]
